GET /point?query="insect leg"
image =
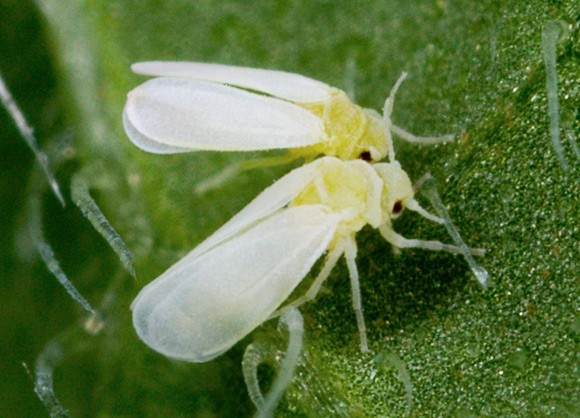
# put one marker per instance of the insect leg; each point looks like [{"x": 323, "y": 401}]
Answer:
[
  {"x": 429, "y": 140},
  {"x": 229, "y": 172},
  {"x": 218, "y": 179},
  {"x": 387, "y": 110},
  {"x": 401, "y": 242},
  {"x": 331, "y": 260},
  {"x": 350, "y": 255},
  {"x": 430, "y": 190},
  {"x": 272, "y": 161},
  {"x": 414, "y": 206},
  {"x": 401, "y": 133}
]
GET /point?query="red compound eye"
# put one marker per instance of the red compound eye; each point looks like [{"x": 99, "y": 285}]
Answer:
[
  {"x": 397, "y": 208},
  {"x": 365, "y": 156}
]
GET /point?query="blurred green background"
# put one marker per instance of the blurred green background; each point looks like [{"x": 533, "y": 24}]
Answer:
[{"x": 476, "y": 70}]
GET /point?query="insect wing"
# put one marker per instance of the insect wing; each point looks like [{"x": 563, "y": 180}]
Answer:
[
  {"x": 265, "y": 204},
  {"x": 200, "y": 309},
  {"x": 147, "y": 143},
  {"x": 196, "y": 115},
  {"x": 288, "y": 86}
]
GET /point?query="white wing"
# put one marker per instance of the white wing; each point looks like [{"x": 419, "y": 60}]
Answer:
[
  {"x": 288, "y": 86},
  {"x": 265, "y": 204},
  {"x": 175, "y": 115},
  {"x": 199, "y": 310},
  {"x": 146, "y": 143}
]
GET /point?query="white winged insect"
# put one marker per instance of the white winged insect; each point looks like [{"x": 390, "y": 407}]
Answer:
[
  {"x": 241, "y": 275},
  {"x": 192, "y": 106}
]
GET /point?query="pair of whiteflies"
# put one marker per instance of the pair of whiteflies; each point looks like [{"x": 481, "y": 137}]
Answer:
[{"x": 241, "y": 275}]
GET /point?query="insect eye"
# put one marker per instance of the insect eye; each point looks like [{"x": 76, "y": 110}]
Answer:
[
  {"x": 397, "y": 208},
  {"x": 365, "y": 156}
]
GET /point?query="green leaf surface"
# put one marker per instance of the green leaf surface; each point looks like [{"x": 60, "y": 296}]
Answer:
[{"x": 476, "y": 70}]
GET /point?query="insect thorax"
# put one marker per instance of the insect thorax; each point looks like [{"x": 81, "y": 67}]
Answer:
[
  {"x": 351, "y": 130},
  {"x": 350, "y": 188}
]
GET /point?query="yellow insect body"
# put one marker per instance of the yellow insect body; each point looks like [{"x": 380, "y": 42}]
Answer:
[
  {"x": 351, "y": 131},
  {"x": 352, "y": 190}
]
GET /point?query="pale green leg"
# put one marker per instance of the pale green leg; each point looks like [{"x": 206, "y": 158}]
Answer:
[{"x": 229, "y": 172}]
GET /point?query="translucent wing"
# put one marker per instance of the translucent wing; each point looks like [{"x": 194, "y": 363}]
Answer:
[
  {"x": 288, "y": 86},
  {"x": 175, "y": 115},
  {"x": 199, "y": 309}
]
